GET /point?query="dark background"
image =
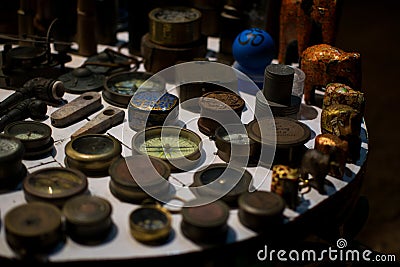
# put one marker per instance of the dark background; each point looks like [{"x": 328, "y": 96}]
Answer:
[{"x": 373, "y": 29}]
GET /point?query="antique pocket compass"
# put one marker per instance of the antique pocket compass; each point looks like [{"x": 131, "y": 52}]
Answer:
[{"x": 178, "y": 147}]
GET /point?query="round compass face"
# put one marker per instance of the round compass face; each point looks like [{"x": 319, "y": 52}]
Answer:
[
  {"x": 237, "y": 138},
  {"x": 168, "y": 143}
]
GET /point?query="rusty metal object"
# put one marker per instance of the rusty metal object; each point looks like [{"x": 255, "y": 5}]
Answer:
[{"x": 323, "y": 64}]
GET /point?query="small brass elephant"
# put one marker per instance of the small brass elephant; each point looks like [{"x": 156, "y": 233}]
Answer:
[
  {"x": 324, "y": 64},
  {"x": 304, "y": 20}
]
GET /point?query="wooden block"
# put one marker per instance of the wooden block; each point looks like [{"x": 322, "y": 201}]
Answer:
[
  {"x": 105, "y": 120},
  {"x": 76, "y": 110}
]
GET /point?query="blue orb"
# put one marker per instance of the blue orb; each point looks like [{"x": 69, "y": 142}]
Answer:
[{"x": 253, "y": 49}]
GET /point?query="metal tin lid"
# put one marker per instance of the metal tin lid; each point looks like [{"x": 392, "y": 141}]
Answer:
[
  {"x": 156, "y": 102},
  {"x": 150, "y": 223},
  {"x": 120, "y": 87},
  {"x": 289, "y": 132},
  {"x": 224, "y": 179},
  {"x": 122, "y": 175},
  {"x": 214, "y": 214},
  {"x": 33, "y": 227},
  {"x": 87, "y": 210},
  {"x": 262, "y": 203},
  {"x": 82, "y": 80},
  {"x": 11, "y": 148},
  {"x": 54, "y": 184},
  {"x": 35, "y": 136},
  {"x": 230, "y": 100}
]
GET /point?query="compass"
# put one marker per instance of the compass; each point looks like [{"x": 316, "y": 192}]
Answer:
[
  {"x": 34, "y": 135},
  {"x": 12, "y": 170},
  {"x": 54, "y": 185},
  {"x": 178, "y": 147},
  {"x": 234, "y": 145},
  {"x": 92, "y": 153},
  {"x": 120, "y": 87}
]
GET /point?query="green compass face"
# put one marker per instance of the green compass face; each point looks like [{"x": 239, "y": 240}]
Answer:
[
  {"x": 30, "y": 135},
  {"x": 169, "y": 147},
  {"x": 178, "y": 147}
]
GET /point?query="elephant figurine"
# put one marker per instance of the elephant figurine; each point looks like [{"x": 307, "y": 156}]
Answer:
[
  {"x": 318, "y": 164},
  {"x": 323, "y": 64},
  {"x": 298, "y": 19}
]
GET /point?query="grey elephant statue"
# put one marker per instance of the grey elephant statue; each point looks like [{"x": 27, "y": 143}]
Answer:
[{"x": 324, "y": 64}]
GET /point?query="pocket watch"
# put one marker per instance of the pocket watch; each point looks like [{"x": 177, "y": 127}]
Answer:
[
  {"x": 120, "y": 87},
  {"x": 34, "y": 135},
  {"x": 178, "y": 147},
  {"x": 54, "y": 185}
]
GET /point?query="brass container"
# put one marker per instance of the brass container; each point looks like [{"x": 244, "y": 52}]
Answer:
[
  {"x": 205, "y": 224},
  {"x": 34, "y": 228},
  {"x": 145, "y": 177},
  {"x": 92, "y": 153},
  {"x": 54, "y": 185},
  {"x": 261, "y": 211},
  {"x": 12, "y": 169},
  {"x": 216, "y": 107},
  {"x": 35, "y": 136},
  {"x": 88, "y": 218},
  {"x": 174, "y": 26},
  {"x": 150, "y": 223},
  {"x": 228, "y": 183},
  {"x": 152, "y": 108},
  {"x": 288, "y": 135}
]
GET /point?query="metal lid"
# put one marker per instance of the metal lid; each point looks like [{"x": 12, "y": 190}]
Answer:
[
  {"x": 156, "y": 102},
  {"x": 262, "y": 203},
  {"x": 82, "y": 80},
  {"x": 230, "y": 100},
  {"x": 288, "y": 132},
  {"x": 54, "y": 184},
  {"x": 86, "y": 210},
  {"x": 214, "y": 214},
  {"x": 278, "y": 83},
  {"x": 150, "y": 168},
  {"x": 33, "y": 227}
]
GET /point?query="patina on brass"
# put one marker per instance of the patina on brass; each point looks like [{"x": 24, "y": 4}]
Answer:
[
  {"x": 92, "y": 153},
  {"x": 150, "y": 223}
]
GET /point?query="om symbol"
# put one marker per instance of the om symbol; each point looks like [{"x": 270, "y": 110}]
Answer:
[{"x": 254, "y": 36}]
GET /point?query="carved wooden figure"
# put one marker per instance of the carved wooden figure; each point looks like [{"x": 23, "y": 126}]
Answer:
[
  {"x": 317, "y": 164},
  {"x": 298, "y": 19},
  {"x": 324, "y": 64}
]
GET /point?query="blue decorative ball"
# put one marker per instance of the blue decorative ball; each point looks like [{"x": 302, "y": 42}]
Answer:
[{"x": 253, "y": 49}]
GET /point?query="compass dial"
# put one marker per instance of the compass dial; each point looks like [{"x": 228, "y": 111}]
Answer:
[{"x": 169, "y": 147}]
